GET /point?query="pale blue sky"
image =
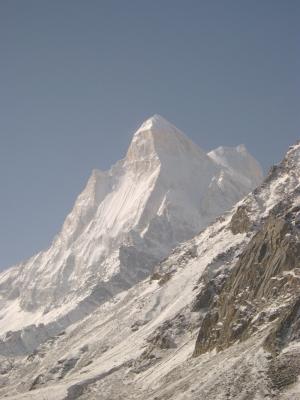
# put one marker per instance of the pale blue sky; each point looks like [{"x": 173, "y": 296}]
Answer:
[{"x": 78, "y": 77}]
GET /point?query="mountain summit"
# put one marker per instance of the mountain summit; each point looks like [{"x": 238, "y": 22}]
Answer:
[
  {"x": 156, "y": 123},
  {"x": 125, "y": 221},
  {"x": 158, "y": 137}
]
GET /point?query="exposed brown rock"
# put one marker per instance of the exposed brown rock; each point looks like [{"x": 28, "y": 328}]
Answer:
[{"x": 240, "y": 221}]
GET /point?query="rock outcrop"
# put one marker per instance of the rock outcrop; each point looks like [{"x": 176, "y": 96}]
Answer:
[{"x": 263, "y": 286}]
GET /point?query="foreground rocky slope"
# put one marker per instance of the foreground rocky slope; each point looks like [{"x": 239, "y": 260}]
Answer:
[
  {"x": 264, "y": 285},
  {"x": 217, "y": 319}
]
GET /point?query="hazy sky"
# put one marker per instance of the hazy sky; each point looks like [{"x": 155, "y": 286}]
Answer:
[{"x": 78, "y": 77}]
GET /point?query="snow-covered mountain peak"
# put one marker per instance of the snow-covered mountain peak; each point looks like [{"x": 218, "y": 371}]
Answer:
[
  {"x": 126, "y": 220},
  {"x": 156, "y": 123}
]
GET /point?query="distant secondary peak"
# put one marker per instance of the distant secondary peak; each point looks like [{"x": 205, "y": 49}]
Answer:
[{"x": 239, "y": 160}]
